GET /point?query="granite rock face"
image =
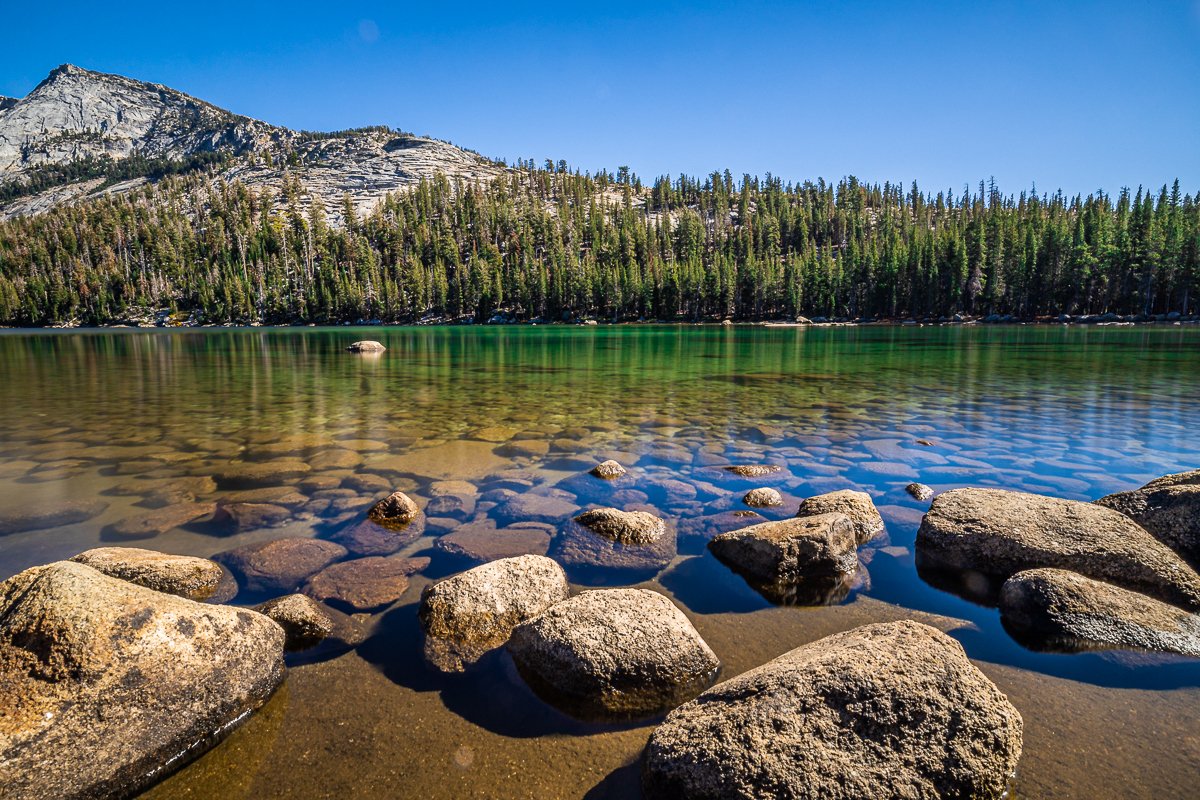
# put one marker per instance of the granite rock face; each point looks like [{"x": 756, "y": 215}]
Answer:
[
  {"x": 474, "y": 612},
  {"x": 888, "y": 710},
  {"x": 104, "y": 683},
  {"x": 186, "y": 576},
  {"x": 997, "y": 532},
  {"x": 613, "y": 654},
  {"x": 1168, "y": 507}
]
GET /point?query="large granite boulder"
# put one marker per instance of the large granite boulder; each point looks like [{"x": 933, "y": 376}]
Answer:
[
  {"x": 893, "y": 710},
  {"x": 105, "y": 684},
  {"x": 279, "y": 565},
  {"x": 186, "y": 576},
  {"x": 613, "y": 654},
  {"x": 858, "y": 506},
  {"x": 474, "y": 612},
  {"x": 1054, "y": 609},
  {"x": 993, "y": 532},
  {"x": 1168, "y": 507},
  {"x": 802, "y": 561}
]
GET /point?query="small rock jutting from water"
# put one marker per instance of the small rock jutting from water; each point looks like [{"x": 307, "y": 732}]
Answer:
[
  {"x": 858, "y": 506},
  {"x": 366, "y": 346},
  {"x": 186, "y": 576},
  {"x": 469, "y": 615},
  {"x": 1054, "y": 609},
  {"x": 608, "y": 470},
  {"x": 397, "y": 509},
  {"x": 886, "y": 710},
  {"x": 994, "y": 532},
  {"x": 105, "y": 683},
  {"x": 763, "y": 497},
  {"x": 1168, "y": 507},
  {"x": 613, "y": 654},
  {"x": 626, "y": 527},
  {"x": 304, "y": 622},
  {"x": 753, "y": 470},
  {"x": 919, "y": 491},
  {"x": 279, "y": 565}
]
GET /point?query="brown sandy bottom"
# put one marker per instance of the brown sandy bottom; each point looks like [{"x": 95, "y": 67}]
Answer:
[{"x": 373, "y": 724}]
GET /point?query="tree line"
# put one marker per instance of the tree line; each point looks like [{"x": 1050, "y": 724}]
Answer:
[{"x": 542, "y": 242}]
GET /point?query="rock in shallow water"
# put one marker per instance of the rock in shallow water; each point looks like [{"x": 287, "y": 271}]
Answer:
[
  {"x": 593, "y": 558},
  {"x": 38, "y": 516},
  {"x": 858, "y": 506},
  {"x": 888, "y": 710},
  {"x": 395, "y": 510},
  {"x": 279, "y": 565},
  {"x": 919, "y": 491},
  {"x": 763, "y": 497},
  {"x": 304, "y": 622},
  {"x": 1053, "y": 609},
  {"x": 105, "y": 683},
  {"x": 369, "y": 538},
  {"x": 156, "y": 523},
  {"x": 626, "y": 527},
  {"x": 483, "y": 541},
  {"x": 608, "y": 470},
  {"x": 186, "y": 576},
  {"x": 364, "y": 584},
  {"x": 1168, "y": 507},
  {"x": 613, "y": 654},
  {"x": 474, "y": 612},
  {"x": 366, "y": 346},
  {"x": 753, "y": 470},
  {"x": 997, "y": 532}
]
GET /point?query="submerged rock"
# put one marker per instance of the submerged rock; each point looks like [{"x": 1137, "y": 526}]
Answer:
[
  {"x": 305, "y": 623},
  {"x": 39, "y": 516},
  {"x": 474, "y": 612},
  {"x": 279, "y": 565},
  {"x": 613, "y": 654},
  {"x": 919, "y": 491},
  {"x": 186, "y": 576},
  {"x": 858, "y": 506},
  {"x": 156, "y": 523},
  {"x": 105, "y": 684},
  {"x": 395, "y": 510},
  {"x": 763, "y": 497},
  {"x": 536, "y": 508},
  {"x": 626, "y": 527},
  {"x": 592, "y": 557},
  {"x": 1168, "y": 507},
  {"x": 998, "y": 533},
  {"x": 238, "y": 517},
  {"x": 366, "y": 346},
  {"x": 608, "y": 470},
  {"x": 255, "y": 474},
  {"x": 364, "y": 584},
  {"x": 887, "y": 710},
  {"x": 483, "y": 541},
  {"x": 369, "y": 538},
  {"x": 1053, "y": 609}
]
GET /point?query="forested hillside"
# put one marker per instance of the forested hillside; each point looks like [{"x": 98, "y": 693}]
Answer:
[{"x": 551, "y": 244}]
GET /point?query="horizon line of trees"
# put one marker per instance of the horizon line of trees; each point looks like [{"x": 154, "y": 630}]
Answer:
[{"x": 548, "y": 243}]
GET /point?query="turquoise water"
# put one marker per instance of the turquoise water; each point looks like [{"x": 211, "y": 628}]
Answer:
[{"x": 110, "y": 417}]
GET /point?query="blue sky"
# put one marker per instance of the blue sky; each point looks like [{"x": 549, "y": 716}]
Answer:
[{"x": 1061, "y": 94}]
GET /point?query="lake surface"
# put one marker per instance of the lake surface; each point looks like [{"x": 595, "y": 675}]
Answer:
[{"x": 127, "y": 418}]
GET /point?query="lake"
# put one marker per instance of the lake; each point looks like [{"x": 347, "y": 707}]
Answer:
[{"x": 123, "y": 419}]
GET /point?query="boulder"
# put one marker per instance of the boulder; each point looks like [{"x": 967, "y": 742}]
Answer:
[
  {"x": 106, "y": 684},
  {"x": 368, "y": 538},
  {"x": 1168, "y": 507},
  {"x": 395, "y": 510},
  {"x": 993, "y": 532},
  {"x": 474, "y": 612},
  {"x": 919, "y": 491},
  {"x": 707, "y": 526},
  {"x": 626, "y": 527},
  {"x": 364, "y": 584},
  {"x": 892, "y": 710},
  {"x": 1053, "y": 609},
  {"x": 305, "y": 623},
  {"x": 608, "y": 470},
  {"x": 613, "y": 654},
  {"x": 592, "y": 558},
  {"x": 779, "y": 558},
  {"x": 858, "y": 506},
  {"x": 763, "y": 497},
  {"x": 366, "y": 346},
  {"x": 279, "y": 565},
  {"x": 38, "y": 516},
  {"x": 186, "y": 576}
]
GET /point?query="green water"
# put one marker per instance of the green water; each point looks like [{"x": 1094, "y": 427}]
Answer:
[{"x": 112, "y": 416}]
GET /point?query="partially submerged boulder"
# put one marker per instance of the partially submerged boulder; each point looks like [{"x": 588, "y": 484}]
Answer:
[
  {"x": 919, "y": 491},
  {"x": 366, "y": 346},
  {"x": 591, "y": 557},
  {"x": 279, "y": 565},
  {"x": 613, "y": 654},
  {"x": 763, "y": 497},
  {"x": 626, "y": 527},
  {"x": 305, "y": 623},
  {"x": 993, "y": 532},
  {"x": 1054, "y": 609},
  {"x": 804, "y": 560},
  {"x": 186, "y": 576},
  {"x": 474, "y": 612},
  {"x": 394, "y": 511},
  {"x": 858, "y": 506},
  {"x": 887, "y": 710},
  {"x": 1168, "y": 507},
  {"x": 608, "y": 470},
  {"x": 105, "y": 684},
  {"x": 364, "y": 584}
]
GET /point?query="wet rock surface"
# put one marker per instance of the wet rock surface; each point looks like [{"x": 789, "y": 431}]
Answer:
[
  {"x": 369, "y": 538},
  {"x": 104, "y": 682},
  {"x": 858, "y": 506},
  {"x": 279, "y": 565},
  {"x": 625, "y": 527},
  {"x": 763, "y": 497},
  {"x": 613, "y": 654},
  {"x": 998, "y": 533},
  {"x": 483, "y": 541},
  {"x": 474, "y": 612},
  {"x": 305, "y": 623},
  {"x": 1168, "y": 507},
  {"x": 1054, "y": 609},
  {"x": 885, "y": 710},
  {"x": 608, "y": 470},
  {"x": 186, "y": 576},
  {"x": 395, "y": 510},
  {"x": 592, "y": 558},
  {"x": 364, "y": 584}
]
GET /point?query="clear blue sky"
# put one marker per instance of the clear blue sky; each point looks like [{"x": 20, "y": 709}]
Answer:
[{"x": 1061, "y": 94}]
